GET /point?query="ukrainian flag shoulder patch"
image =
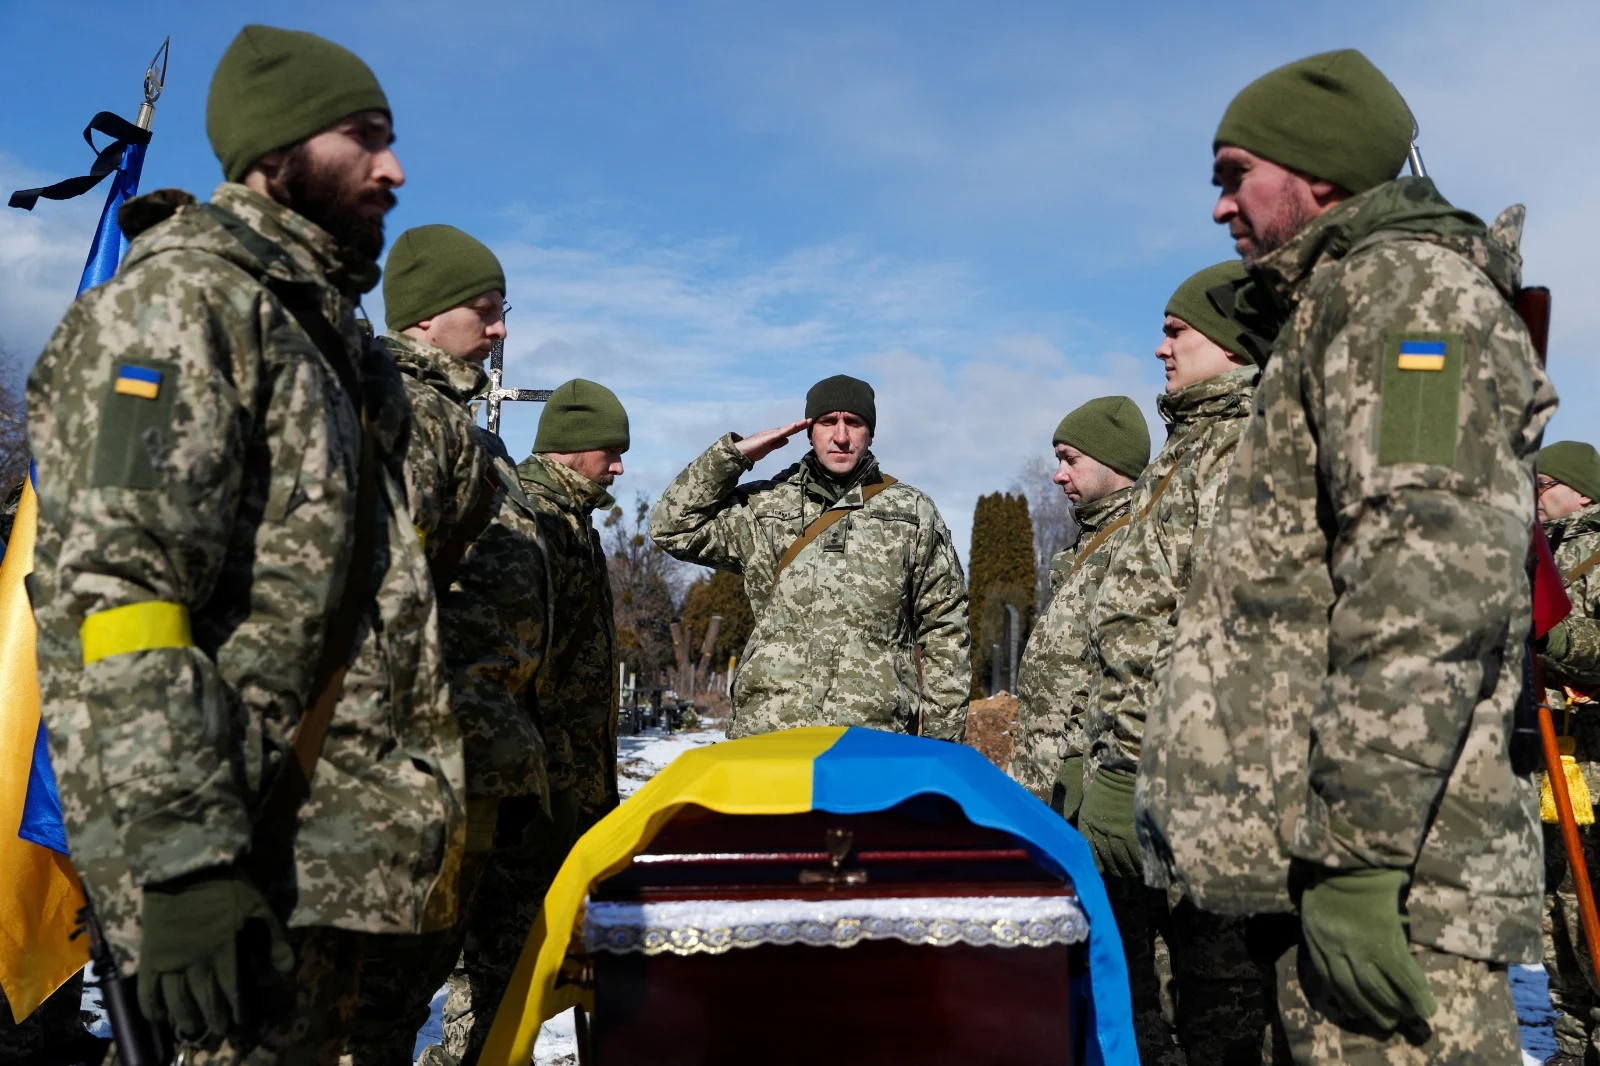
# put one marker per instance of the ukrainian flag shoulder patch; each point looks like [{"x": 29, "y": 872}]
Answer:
[
  {"x": 1420, "y": 397},
  {"x": 139, "y": 381},
  {"x": 1421, "y": 354}
]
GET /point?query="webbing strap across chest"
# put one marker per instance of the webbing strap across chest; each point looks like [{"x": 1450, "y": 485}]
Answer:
[
  {"x": 1582, "y": 568},
  {"x": 827, "y": 518},
  {"x": 1094, "y": 545}
]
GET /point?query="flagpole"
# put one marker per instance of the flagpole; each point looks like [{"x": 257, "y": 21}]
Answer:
[{"x": 109, "y": 243}]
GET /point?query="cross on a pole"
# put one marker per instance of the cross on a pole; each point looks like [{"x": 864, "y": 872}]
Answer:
[{"x": 497, "y": 395}]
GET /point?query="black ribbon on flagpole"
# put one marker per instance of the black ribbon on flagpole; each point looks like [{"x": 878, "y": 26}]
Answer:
[{"x": 108, "y": 159}]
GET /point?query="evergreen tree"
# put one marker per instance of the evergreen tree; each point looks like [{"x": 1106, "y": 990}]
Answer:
[
  {"x": 1001, "y": 571},
  {"x": 720, "y": 592}
]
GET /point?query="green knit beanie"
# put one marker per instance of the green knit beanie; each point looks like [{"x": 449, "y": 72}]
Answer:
[
  {"x": 844, "y": 393},
  {"x": 1333, "y": 116},
  {"x": 435, "y": 268},
  {"x": 581, "y": 416},
  {"x": 274, "y": 88},
  {"x": 1205, "y": 302},
  {"x": 1574, "y": 464},
  {"x": 1111, "y": 430}
]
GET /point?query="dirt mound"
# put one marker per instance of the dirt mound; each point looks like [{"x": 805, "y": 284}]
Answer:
[{"x": 991, "y": 724}]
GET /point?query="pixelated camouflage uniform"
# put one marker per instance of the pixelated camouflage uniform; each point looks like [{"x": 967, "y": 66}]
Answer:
[
  {"x": 1054, "y": 676},
  {"x": 1218, "y": 1012},
  {"x": 836, "y": 633},
  {"x": 578, "y": 698},
  {"x": 482, "y": 537},
  {"x": 1574, "y": 662},
  {"x": 230, "y": 498},
  {"x": 1341, "y": 690}
]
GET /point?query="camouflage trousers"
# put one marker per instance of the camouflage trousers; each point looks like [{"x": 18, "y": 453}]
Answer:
[
  {"x": 54, "y": 1032},
  {"x": 515, "y": 879},
  {"x": 1566, "y": 954},
  {"x": 1476, "y": 1024},
  {"x": 1198, "y": 995}
]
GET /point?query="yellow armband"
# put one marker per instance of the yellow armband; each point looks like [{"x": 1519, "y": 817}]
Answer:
[{"x": 136, "y": 627}]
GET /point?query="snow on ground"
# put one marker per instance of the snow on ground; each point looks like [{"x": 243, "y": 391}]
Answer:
[{"x": 639, "y": 758}]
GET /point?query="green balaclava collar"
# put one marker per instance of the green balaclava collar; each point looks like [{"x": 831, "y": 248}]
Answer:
[
  {"x": 1110, "y": 430},
  {"x": 274, "y": 88},
  {"x": 1574, "y": 464},
  {"x": 1333, "y": 116},
  {"x": 844, "y": 393},
  {"x": 1206, "y": 301},
  {"x": 582, "y": 416},
  {"x": 434, "y": 268}
]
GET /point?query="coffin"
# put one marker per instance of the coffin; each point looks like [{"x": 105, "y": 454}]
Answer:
[{"x": 904, "y": 936}]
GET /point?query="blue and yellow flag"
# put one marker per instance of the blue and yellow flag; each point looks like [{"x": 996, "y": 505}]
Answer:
[{"x": 39, "y": 891}]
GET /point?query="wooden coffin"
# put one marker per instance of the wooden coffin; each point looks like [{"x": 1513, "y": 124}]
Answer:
[{"x": 907, "y": 936}]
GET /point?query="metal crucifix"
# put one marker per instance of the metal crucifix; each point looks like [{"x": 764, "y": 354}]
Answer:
[{"x": 497, "y": 394}]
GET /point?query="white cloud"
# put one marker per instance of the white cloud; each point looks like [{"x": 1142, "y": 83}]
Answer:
[{"x": 41, "y": 259}]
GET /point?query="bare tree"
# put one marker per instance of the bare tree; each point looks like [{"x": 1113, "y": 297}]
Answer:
[
  {"x": 14, "y": 454},
  {"x": 646, "y": 586},
  {"x": 1054, "y": 529}
]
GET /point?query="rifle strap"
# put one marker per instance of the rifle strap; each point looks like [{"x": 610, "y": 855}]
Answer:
[
  {"x": 272, "y": 838},
  {"x": 823, "y": 521},
  {"x": 1582, "y": 568},
  {"x": 1093, "y": 545},
  {"x": 1161, "y": 488}
]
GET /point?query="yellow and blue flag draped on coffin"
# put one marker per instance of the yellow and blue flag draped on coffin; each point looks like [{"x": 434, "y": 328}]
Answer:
[
  {"x": 39, "y": 891},
  {"x": 835, "y": 769}
]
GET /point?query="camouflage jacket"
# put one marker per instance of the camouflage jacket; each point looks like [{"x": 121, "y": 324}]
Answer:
[
  {"x": 1136, "y": 610},
  {"x": 1576, "y": 540},
  {"x": 578, "y": 687},
  {"x": 1054, "y": 677},
  {"x": 836, "y": 633},
  {"x": 197, "y": 465},
  {"x": 1342, "y": 684},
  {"x": 494, "y": 595}
]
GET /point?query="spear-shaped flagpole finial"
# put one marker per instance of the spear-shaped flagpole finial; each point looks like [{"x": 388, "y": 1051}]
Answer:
[{"x": 155, "y": 79}]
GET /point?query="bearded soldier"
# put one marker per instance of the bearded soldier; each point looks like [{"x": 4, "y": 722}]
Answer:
[
  {"x": 1331, "y": 755},
  {"x": 1101, "y": 448},
  {"x": 444, "y": 296},
  {"x": 860, "y": 604},
  {"x": 1209, "y": 390},
  {"x": 583, "y": 433},
  {"x": 1569, "y": 507},
  {"x": 230, "y": 596}
]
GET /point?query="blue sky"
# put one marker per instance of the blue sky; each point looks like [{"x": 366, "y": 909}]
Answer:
[{"x": 708, "y": 206}]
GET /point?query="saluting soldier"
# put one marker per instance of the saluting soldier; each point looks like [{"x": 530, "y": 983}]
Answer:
[
  {"x": 1569, "y": 507},
  {"x": 1211, "y": 382},
  {"x": 444, "y": 299},
  {"x": 1331, "y": 752},
  {"x": 583, "y": 433},
  {"x": 1101, "y": 449},
  {"x": 850, "y": 573},
  {"x": 226, "y": 575}
]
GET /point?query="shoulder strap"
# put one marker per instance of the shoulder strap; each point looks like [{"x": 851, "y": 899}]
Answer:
[
  {"x": 1165, "y": 481},
  {"x": 1582, "y": 568},
  {"x": 823, "y": 521},
  {"x": 1099, "y": 539}
]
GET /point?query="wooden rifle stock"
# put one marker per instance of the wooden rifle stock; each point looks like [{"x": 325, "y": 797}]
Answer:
[{"x": 1533, "y": 307}]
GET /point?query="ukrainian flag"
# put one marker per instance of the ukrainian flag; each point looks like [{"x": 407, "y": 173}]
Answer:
[
  {"x": 835, "y": 769},
  {"x": 39, "y": 890}
]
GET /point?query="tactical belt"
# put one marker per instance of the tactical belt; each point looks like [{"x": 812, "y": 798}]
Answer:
[
  {"x": 273, "y": 834},
  {"x": 827, "y": 518}
]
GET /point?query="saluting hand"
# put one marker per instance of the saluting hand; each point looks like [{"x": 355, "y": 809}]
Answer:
[{"x": 758, "y": 446}]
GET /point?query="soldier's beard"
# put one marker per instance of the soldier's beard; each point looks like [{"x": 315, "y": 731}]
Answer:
[
  {"x": 1291, "y": 217},
  {"x": 326, "y": 198}
]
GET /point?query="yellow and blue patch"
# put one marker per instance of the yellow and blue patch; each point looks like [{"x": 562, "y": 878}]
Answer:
[
  {"x": 1422, "y": 355},
  {"x": 138, "y": 381}
]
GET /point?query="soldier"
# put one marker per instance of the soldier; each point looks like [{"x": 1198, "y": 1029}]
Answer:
[
  {"x": 1568, "y": 487},
  {"x": 583, "y": 433},
  {"x": 860, "y": 604},
  {"x": 1330, "y": 753},
  {"x": 1101, "y": 448},
  {"x": 229, "y": 598},
  {"x": 1210, "y": 386},
  {"x": 444, "y": 294}
]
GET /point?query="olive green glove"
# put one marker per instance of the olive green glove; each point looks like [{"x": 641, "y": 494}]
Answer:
[
  {"x": 1068, "y": 793},
  {"x": 1106, "y": 821},
  {"x": 1356, "y": 941},
  {"x": 189, "y": 958}
]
